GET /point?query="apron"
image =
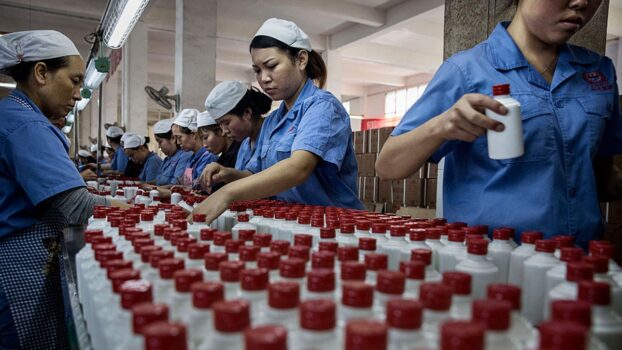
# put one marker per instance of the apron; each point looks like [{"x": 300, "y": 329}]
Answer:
[{"x": 30, "y": 274}]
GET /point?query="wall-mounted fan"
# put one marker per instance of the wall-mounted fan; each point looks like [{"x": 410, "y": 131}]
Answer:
[{"x": 162, "y": 97}]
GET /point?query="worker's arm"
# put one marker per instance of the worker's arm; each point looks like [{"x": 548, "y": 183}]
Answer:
[{"x": 215, "y": 173}]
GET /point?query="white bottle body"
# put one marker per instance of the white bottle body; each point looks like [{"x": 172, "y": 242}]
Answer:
[{"x": 508, "y": 143}]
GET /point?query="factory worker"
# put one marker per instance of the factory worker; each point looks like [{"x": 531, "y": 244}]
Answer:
[
  {"x": 85, "y": 158},
  {"x": 217, "y": 142},
  {"x": 185, "y": 131},
  {"x": 570, "y": 119},
  {"x": 119, "y": 161},
  {"x": 176, "y": 161},
  {"x": 138, "y": 151},
  {"x": 41, "y": 189},
  {"x": 304, "y": 150}
]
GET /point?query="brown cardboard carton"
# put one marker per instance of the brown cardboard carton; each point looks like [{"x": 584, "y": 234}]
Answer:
[
  {"x": 378, "y": 137},
  {"x": 414, "y": 192},
  {"x": 359, "y": 142},
  {"x": 432, "y": 171},
  {"x": 370, "y": 189},
  {"x": 397, "y": 192},
  {"x": 430, "y": 190},
  {"x": 369, "y": 164},
  {"x": 384, "y": 190},
  {"x": 413, "y": 212},
  {"x": 359, "y": 163}
]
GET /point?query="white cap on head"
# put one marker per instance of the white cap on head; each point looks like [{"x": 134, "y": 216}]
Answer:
[
  {"x": 163, "y": 126},
  {"x": 107, "y": 145},
  {"x": 126, "y": 135},
  {"x": 133, "y": 141},
  {"x": 93, "y": 148},
  {"x": 205, "y": 119},
  {"x": 187, "y": 118},
  {"x": 84, "y": 153},
  {"x": 224, "y": 97},
  {"x": 34, "y": 45},
  {"x": 286, "y": 32},
  {"x": 114, "y": 131}
]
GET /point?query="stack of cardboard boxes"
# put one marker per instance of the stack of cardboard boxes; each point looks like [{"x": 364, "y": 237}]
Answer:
[{"x": 419, "y": 190}]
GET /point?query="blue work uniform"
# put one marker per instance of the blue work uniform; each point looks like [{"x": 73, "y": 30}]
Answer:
[
  {"x": 151, "y": 167},
  {"x": 566, "y": 124},
  {"x": 245, "y": 153},
  {"x": 316, "y": 123},
  {"x": 172, "y": 169},
  {"x": 200, "y": 160},
  {"x": 34, "y": 164},
  {"x": 119, "y": 160}
]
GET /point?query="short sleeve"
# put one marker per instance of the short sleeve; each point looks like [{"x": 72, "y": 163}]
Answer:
[
  {"x": 611, "y": 143},
  {"x": 324, "y": 130},
  {"x": 152, "y": 167},
  {"x": 39, "y": 162},
  {"x": 447, "y": 86}
]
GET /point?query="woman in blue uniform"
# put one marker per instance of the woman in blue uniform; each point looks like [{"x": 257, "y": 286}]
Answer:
[
  {"x": 571, "y": 126},
  {"x": 217, "y": 142},
  {"x": 176, "y": 161},
  {"x": 40, "y": 188},
  {"x": 119, "y": 160},
  {"x": 138, "y": 151},
  {"x": 304, "y": 152}
]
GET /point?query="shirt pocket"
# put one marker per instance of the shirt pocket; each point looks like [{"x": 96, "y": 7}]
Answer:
[
  {"x": 283, "y": 147},
  {"x": 597, "y": 110}
]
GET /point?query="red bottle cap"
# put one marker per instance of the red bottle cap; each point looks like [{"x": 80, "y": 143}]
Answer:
[
  {"x": 602, "y": 250},
  {"x": 268, "y": 260},
  {"x": 545, "y": 246},
  {"x": 462, "y": 335},
  {"x": 418, "y": 234},
  {"x": 456, "y": 236},
  {"x": 435, "y": 296},
  {"x": 134, "y": 292},
  {"x": 213, "y": 260},
  {"x": 434, "y": 233},
  {"x": 205, "y": 294},
  {"x": 283, "y": 295},
  {"x": 231, "y": 316},
  {"x": 321, "y": 280},
  {"x": 477, "y": 246},
  {"x": 374, "y": 261},
  {"x": 390, "y": 282},
  {"x": 378, "y": 228},
  {"x": 327, "y": 233},
  {"x": 207, "y": 234},
  {"x": 249, "y": 253},
  {"x": 101, "y": 242},
  {"x": 232, "y": 246},
  {"x": 572, "y": 311},
  {"x": 357, "y": 294},
  {"x": 600, "y": 264},
  {"x": 279, "y": 246},
  {"x": 397, "y": 231},
  {"x": 254, "y": 279},
  {"x": 352, "y": 270},
  {"x": 262, "y": 240},
  {"x": 221, "y": 237},
  {"x": 163, "y": 335},
  {"x": 455, "y": 225},
  {"x": 246, "y": 235},
  {"x": 562, "y": 336},
  {"x": 501, "y": 89},
  {"x": 346, "y": 228},
  {"x": 158, "y": 229},
  {"x": 367, "y": 243},
  {"x": 119, "y": 277},
  {"x": 530, "y": 237},
  {"x": 495, "y": 314},
  {"x": 366, "y": 335},
  {"x": 292, "y": 268},
  {"x": 459, "y": 282},
  {"x": 578, "y": 271},
  {"x": 505, "y": 292},
  {"x": 404, "y": 314},
  {"x": 243, "y": 218},
  {"x": 413, "y": 269},
  {"x": 423, "y": 255},
  {"x": 145, "y": 314},
  {"x": 182, "y": 224},
  {"x": 184, "y": 243},
  {"x": 115, "y": 265},
  {"x": 300, "y": 252},
  {"x": 571, "y": 254},
  {"x": 198, "y": 218},
  {"x": 303, "y": 239},
  {"x": 230, "y": 270},
  {"x": 328, "y": 246},
  {"x": 597, "y": 293},
  {"x": 363, "y": 225},
  {"x": 317, "y": 315},
  {"x": 168, "y": 267},
  {"x": 502, "y": 234},
  {"x": 347, "y": 253},
  {"x": 269, "y": 337},
  {"x": 563, "y": 241},
  {"x": 197, "y": 251},
  {"x": 156, "y": 257},
  {"x": 90, "y": 234},
  {"x": 184, "y": 279},
  {"x": 105, "y": 255},
  {"x": 323, "y": 260}
]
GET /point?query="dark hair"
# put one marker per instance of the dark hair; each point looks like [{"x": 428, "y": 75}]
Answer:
[
  {"x": 184, "y": 130},
  {"x": 214, "y": 128},
  {"x": 21, "y": 72},
  {"x": 116, "y": 140},
  {"x": 257, "y": 101},
  {"x": 316, "y": 68},
  {"x": 166, "y": 135}
]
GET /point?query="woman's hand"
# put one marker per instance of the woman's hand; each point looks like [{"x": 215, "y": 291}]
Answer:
[
  {"x": 215, "y": 173},
  {"x": 466, "y": 121},
  {"x": 214, "y": 205}
]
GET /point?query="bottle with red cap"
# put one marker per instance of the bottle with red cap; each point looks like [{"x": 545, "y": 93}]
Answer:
[
  {"x": 181, "y": 297},
  {"x": 254, "y": 288},
  {"x": 204, "y": 296},
  {"x": 453, "y": 252},
  {"x": 606, "y": 323},
  {"x": 375, "y": 262},
  {"x": 231, "y": 319},
  {"x": 162, "y": 335},
  {"x": 562, "y": 241},
  {"x": 482, "y": 271},
  {"x": 146, "y": 221},
  {"x": 230, "y": 277},
  {"x": 273, "y": 337},
  {"x": 499, "y": 252},
  {"x": 508, "y": 143},
  {"x": 394, "y": 245},
  {"x": 426, "y": 256},
  {"x": 495, "y": 315},
  {"x": 293, "y": 270},
  {"x": 286, "y": 228},
  {"x": 462, "y": 335},
  {"x": 143, "y": 314},
  {"x": 389, "y": 285},
  {"x": 433, "y": 240},
  {"x": 378, "y": 230},
  {"x": 414, "y": 271},
  {"x": 165, "y": 285},
  {"x": 220, "y": 239},
  {"x": 363, "y": 228},
  {"x": 521, "y": 330},
  {"x": 460, "y": 284},
  {"x": 366, "y": 335},
  {"x": 198, "y": 223},
  {"x": 520, "y": 254},
  {"x": 242, "y": 224},
  {"x": 357, "y": 299},
  {"x": 557, "y": 274},
  {"x": 345, "y": 235},
  {"x": 575, "y": 272},
  {"x": 317, "y": 326},
  {"x": 606, "y": 249},
  {"x": 226, "y": 220},
  {"x": 562, "y": 335},
  {"x": 366, "y": 245},
  {"x": 404, "y": 319},
  {"x": 416, "y": 240},
  {"x": 282, "y": 306},
  {"x": 601, "y": 274},
  {"x": 436, "y": 300},
  {"x": 579, "y": 312},
  {"x": 534, "y": 279},
  {"x": 320, "y": 284}
]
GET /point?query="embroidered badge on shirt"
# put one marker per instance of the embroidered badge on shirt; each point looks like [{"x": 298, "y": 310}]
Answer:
[{"x": 597, "y": 81}]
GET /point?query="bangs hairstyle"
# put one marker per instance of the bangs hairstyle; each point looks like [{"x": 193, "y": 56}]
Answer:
[
  {"x": 258, "y": 102},
  {"x": 22, "y": 71},
  {"x": 214, "y": 128},
  {"x": 316, "y": 68},
  {"x": 166, "y": 135}
]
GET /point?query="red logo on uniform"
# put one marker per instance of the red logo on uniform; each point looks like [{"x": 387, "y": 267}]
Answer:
[{"x": 597, "y": 81}]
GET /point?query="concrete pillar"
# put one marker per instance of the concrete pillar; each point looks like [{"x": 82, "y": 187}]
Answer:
[
  {"x": 195, "y": 51},
  {"x": 332, "y": 58},
  {"x": 134, "y": 98}
]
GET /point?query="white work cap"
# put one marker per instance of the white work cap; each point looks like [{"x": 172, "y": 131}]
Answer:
[
  {"x": 187, "y": 118},
  {"x": 205, "y": 119},
  {"x": 32, "y": 46},
  {"x": 286, "y": 32},
  {"x": 114, "y": 131},
  {"x": 133, "y": 141},
  {"x": 84, "y": 153},
  {"x": 163, "y": 126},
  {"x": 93, "y": 148},
  {"x": 107, "y": 145},
  {"x": 224, "y": 97}
]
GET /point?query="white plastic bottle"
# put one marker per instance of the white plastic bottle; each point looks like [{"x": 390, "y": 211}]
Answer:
[
  {"x": 389, "y": 285},
  {"x": 196, "y": 255},
  {"x": 575, "y": 272},
  {"x": 416, "y": 240},
  {"x": 357, "y": 299},
  {"x": 253, "y": 288},
  {"x": 362, "y": 229},
  {"x": 606, "y": 249},
  {"x": 375, "y": 262},
  {"x": 562, "y": 241},
  {"x": 262, "y": 240},
  {"x": 453, "y": 252},
  {"x": 461, "y": 335},
  {"x": 534, "y": 279},
  {"x": 499, "y": 252},
  {"x": 557, "y": 274},
  {"x": 495, "y": 314},
  {"x": 181, "y": 300},
  {"x": 143, "y": 315},
  {"x": 436, "y": 300},
  {"x": 212, "y": 265},
  {"x": 204, "y": 295},
  {"x": 482, "y": 271},
  {"x": 414, "y": 271},
  {"x": 393, "y": 247},
  {"x": 220, "y": 238},
  {"x": 433, "y": 240},
  {"x": 282, "y": 308},
  {"x": 269, "y": 261},
  {"x": 425, "y": 256},
  {"x": 266, "y": 337},
  {"x": 320, "y": 284},
  {"x": 521, "y": 330},
  {"x": 172, "y": 334},
  {"x": 372, "y": 333},
  {"x": 601, "y": 274},
  {"x": 317, "y": 325},
  {"x": 404, "y": 318},
  {"x": 248, "y": 254},
  {"x": 508, "y": 143},
  {"x": 346, "y": 236},
  {"x": 379, "y": 232},
  {"x": 366, "y": 245},
  {"x": 460, "y": 284},
  {"x": 242, "y": 224},
  {"x": 165, "y": 285},
  {"x": 198, "y": 223},
  {"x": 606, "y": 323},
  {"x": 231, "y": 318},
  {"x": 230, "y": 277},
  {"x": 579, "y": 312},
  {"x": 520, "y": 254}
]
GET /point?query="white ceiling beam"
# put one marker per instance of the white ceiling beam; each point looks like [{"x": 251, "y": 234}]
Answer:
[
  {"x": 350, "y": 89},
  {"x": 352, "y": 74},
  {"x": 391, "y": 55},
  {"x": 614, "y": 23},
  {"x": 395, "y": 16}
]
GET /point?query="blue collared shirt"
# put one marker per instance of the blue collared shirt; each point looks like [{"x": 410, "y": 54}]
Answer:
[
  {"x": 319, "y": 124},
  {"x": 566, "y": 124},
  {"x": 119, "y": 160},
  {"x": 151, "y": 167},
  {"x": 200, "y": 160},
  {"x": 34, "y": 164},
  {"x": 172, "y": 168},
  {"x": 245, "y": 153}
]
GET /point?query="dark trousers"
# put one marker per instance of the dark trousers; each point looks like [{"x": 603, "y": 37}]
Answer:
[{"x": 8, "y": 333}]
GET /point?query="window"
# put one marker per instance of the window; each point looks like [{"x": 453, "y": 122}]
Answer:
[
  {"x": 346, "y": 105},
  {"x": 399, "y": 101},
  {"x": 389, "y": 105}
]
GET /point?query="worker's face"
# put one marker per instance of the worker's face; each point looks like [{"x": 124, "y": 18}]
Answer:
[
  {"x": 186, "y": 141},
  {"x": 169, "y": 147},
  {"x": 554, "y": 22},
  {"x": 59, "y": 90},
  {"x": 214, "y": 141},
  {"x": 137, "y": 155},
  {"x": 110, "y": 152},
  {"x": 238, "y": 128},
  {"x": 277, "y": 73}
]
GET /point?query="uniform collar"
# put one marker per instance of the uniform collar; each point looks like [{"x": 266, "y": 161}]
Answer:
[{"x": 23, "y": 97}]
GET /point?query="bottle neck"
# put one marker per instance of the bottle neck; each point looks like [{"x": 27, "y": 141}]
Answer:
[{"x": 476, "y": 257}]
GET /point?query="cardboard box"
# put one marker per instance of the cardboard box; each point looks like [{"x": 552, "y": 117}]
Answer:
[
  {"x": 413, "y": 212},
  {"x": 378, "y": 137},
  {"x": 360, "y": 144},
  {"x": 397, "y": 192},
  {"x": 359, "y": 185},
  {"x": 370, "y": 189},
  {"x": 430, "y": 193},
  {"x": 432, "y": 171},
  {"x": 414, "y": 192},
  {"x": 359, "y": 163},
  {"x": 391, "y": 208},
  {"x": 384, "y": 190},
  {"x": 368, "y": 164}
]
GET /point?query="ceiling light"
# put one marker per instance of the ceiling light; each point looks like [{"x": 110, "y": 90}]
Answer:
[
  {"x": 94, "y": 78},
  {"x": 120, "y": 20}
]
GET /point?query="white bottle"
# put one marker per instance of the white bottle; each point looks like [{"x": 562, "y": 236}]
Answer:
[
  {"x": 562, "y": 241},
  {"x": 230, "y": 277},
  {"x": 520, "y": 254},
  {"x": 575, "y": 272},
  {"x": 362, "y": 229},
  {"x": 511, "y": 232},
  {"x": 181, "y": 301},
  {"x": 393, "y": 247},
  {"x": 425, "y": 256},
  {"x": 404, "y": 318},
  {"x": 320, "y": 284},
  {"x": 416, "y": 240},
  {"x": 220, "y": 239},
  {"x": 495, "y": 314},
  {"x": 601, "y": 274},
  {"x": 433, "y": 240},
  {"x": 357, "y": 299},
  {"x": 389, "y": 285},
  {"x": 379, "y": 232},
  {"x": 483, "y": 272},
  {"x": 375, "y": 262},
  {"x": 242, "y": 224},
  {"x": 534, "y": 279},
  {"x": 499, "y": 252},
  {"x": 453, "y": 252},
  {"x": 317, "y": 325},
  {"x": 508, "y": 143},
  {"x": 521, "y": 330},
  {"x": 198, "y": 223},
  {"x": 605, "y": 248},
  {"x": 436, "y": 299},
  {"x": 414, "y": 271},
  {"x": 606, "y": 323},
  {"x": 269, "y": 261},
  {"x": 563, "y": 335},
  {"x": 578, "y": 312},
  {"x": 253, "y": 288},
  {"x": 231, "y": 318},
  {"x": 204, "y": 295},
  {"x": 346, "y": 237},
  {"x": 282, "y": 308},
  {"x": 460, "y": 284},
  {"x": 371, "y": 332},
  {"x": 143, "y": 315},
  {"x": 266, "y": 337},
  {"x": 262, "y": 240},
  {"x": 164, "y": 286},
  {"x": 172, "y": 334},
  {"x": 461, "y": 335},
  {"x": 366, "y": 245},
  {"x": 212, "y": 265},
  {"x": 557, "y": 274}
]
